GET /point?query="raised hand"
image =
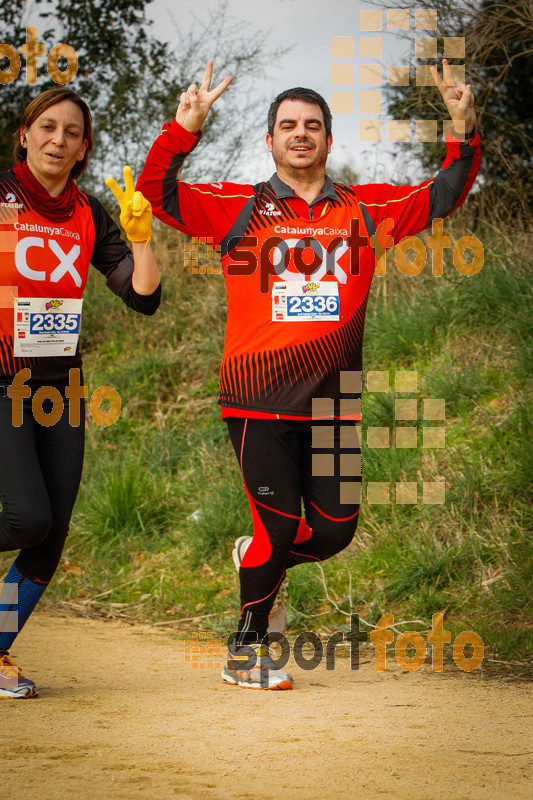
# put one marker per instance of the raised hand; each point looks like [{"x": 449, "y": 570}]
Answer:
[
  {"x": 459, "y": 100},
  {"x": 195, "y": 103},
  {"x": 135, "y": 210}
]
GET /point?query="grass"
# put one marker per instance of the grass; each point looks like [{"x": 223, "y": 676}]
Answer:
[{"x": 162, "y": 501}]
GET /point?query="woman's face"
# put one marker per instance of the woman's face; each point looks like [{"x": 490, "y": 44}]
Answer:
[{"x": 53, "y": 143}]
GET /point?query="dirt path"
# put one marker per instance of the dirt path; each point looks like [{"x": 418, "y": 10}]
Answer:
[{"x": 122, "y": 714}]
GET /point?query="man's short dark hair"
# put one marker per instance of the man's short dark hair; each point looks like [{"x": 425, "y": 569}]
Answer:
[{"x": 307, "y": 96}]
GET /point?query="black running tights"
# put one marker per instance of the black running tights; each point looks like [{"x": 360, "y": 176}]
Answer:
[
  {"x": 40, "y": 471},
  {"x": 283, "y": 463}
]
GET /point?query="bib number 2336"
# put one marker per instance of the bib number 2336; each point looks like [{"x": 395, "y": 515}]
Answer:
[{"x": 300, "y": 302}]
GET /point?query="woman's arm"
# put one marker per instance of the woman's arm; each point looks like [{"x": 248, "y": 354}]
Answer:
[
  {"x": 136, "y": 219},
  {"x": 145, "y": 278}
]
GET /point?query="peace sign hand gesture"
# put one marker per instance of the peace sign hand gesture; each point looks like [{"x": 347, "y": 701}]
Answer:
[
  {"x": 135, "y": 210},
  {"x": 195, "y": 103},
  {"x": 459, "y": 99}
]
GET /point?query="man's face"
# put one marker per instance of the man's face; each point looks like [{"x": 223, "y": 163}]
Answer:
[{"x": 299, "y": 138}]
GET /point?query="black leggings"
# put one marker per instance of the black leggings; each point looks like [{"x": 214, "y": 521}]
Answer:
[
  {"x": 281, "y": 462},
  {"x": 40, "y": 472}
]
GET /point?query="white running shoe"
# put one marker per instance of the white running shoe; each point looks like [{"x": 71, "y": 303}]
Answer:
[
  {"x": 241, "y": 546},
  {"x": 254, "y": 671},
  {"x": 12, "y": 681},
  {"x": 277, "y": 619}
]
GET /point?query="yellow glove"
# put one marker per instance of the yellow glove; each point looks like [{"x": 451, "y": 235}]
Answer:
[{"x": 135, "y": 210}]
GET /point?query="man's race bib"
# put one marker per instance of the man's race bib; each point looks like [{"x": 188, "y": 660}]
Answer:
[
  {"x": 46, "y": 326},
  {"x": 293, "y": 301}
]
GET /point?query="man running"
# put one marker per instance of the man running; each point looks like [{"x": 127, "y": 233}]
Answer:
[{"x": 298, "y": 253}]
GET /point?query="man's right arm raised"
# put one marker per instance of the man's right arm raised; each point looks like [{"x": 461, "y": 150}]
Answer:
[{"x": 196, "y": 209}]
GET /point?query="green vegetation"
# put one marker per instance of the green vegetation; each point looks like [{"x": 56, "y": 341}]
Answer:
[{"x": 162, "y": 501}]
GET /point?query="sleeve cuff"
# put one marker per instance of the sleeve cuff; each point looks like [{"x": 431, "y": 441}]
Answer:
[
  {"x": 178, "y": 139},
  {"x": 458, "y": 137},
  {"x": 146, "y": 304}
]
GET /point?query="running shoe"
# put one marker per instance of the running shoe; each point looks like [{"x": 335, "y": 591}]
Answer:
[
  {"x": 254, "y": 672},
  {"x": 12, "y": 682},
  {"x": 277, "y": 619},
  {"x": 241, "y": 546}
]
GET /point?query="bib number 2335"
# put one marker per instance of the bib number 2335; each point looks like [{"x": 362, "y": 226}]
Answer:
[{"x": 46, "y": 326}]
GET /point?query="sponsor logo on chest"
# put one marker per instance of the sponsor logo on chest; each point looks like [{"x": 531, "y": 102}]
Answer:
[
  {"x": 35, "y": 250},
  {"x": 270, "y": 211}
]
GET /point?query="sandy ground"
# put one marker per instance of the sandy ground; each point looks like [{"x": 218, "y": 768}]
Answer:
[{"x": 122, "y": 714}]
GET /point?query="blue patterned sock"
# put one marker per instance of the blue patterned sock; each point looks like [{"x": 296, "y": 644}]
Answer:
[{"x": 18, "y": 598}]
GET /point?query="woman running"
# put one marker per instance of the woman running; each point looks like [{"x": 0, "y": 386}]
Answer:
[{"x": 49, "y": 233}]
